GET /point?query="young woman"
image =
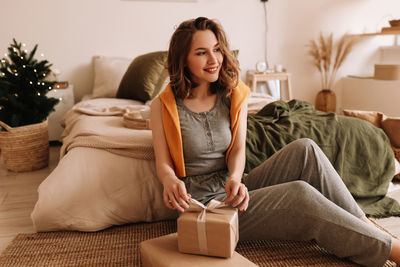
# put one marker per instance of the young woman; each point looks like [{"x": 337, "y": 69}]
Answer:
[{"x": 199, "y": 135}]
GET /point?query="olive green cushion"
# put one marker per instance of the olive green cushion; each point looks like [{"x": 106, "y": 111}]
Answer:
[{"x": 144, "y": 77}]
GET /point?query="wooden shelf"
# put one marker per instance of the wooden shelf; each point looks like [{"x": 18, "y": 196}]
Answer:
[{"x": 378, "y": 33}]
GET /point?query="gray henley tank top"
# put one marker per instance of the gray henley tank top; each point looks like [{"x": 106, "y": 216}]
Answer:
[{"x": 205, "y": 136}]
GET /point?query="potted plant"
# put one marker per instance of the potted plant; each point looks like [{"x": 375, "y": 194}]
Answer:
[
  {"x": 24, "y": 108},
  {"x": 328, "y": 58}
]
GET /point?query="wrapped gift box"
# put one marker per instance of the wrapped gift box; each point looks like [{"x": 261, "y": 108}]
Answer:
[
  {"x": 163, "y": 252},
  {"x": 211, "y": 230}
]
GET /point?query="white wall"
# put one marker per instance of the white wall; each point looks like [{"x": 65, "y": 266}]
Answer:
[{"x": 70, "y": 32}]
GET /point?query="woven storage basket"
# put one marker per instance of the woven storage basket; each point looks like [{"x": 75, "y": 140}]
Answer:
[{"x": 25, "y": 148}]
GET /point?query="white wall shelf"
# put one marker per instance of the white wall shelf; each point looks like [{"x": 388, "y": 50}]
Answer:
[{"x": 396, "y": 35}]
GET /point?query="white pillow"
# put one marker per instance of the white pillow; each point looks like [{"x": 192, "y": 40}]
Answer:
[
  {"x": 257, "y": 101},
  {"x": 108, "y": 72}
]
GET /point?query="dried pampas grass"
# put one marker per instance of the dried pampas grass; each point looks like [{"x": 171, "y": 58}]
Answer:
[{"x": 328, "y": 58}]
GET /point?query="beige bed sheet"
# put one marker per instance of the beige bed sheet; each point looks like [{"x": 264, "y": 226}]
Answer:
[{"x": 92, "y": 189}]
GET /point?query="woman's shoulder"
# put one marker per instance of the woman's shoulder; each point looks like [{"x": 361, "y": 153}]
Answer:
[
  {"x": 156, "y": 102},
  {"x": 240, "y": 92},
  {"x": 167, "y": 93},
  {"x": 241, "y": 86}
]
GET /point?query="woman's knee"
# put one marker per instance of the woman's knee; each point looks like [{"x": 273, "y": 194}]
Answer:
[
  {"x": 305, "y": 193},
  {"x": 300, "y": 187},
  {"x": 305, "y": 146},
  {"x": 304, "y": 143}
]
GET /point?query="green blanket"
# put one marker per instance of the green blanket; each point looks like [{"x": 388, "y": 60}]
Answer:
[{"x": 359, "y": 151}]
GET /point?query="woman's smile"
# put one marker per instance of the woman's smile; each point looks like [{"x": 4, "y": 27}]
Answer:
[{"x": 212, "y": 70}]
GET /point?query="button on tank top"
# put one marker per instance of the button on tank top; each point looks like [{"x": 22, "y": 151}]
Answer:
[{"x": 206, "y": 137}]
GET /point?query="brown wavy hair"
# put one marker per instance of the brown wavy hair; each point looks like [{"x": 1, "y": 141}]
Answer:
[{"x": 179, "y": 47}]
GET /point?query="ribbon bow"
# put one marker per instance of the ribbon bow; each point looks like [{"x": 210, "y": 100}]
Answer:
[{"x": 213, "y": 206}]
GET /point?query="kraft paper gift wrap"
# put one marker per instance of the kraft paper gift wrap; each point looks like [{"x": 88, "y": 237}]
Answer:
[
  {"x": 163, "y": 252},
  {"x": 208, "y": 230}
]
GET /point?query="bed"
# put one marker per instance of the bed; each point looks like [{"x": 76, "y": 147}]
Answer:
[{"x": 106, "y": 174}]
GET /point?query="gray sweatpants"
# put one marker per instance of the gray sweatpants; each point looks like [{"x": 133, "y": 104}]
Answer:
[{"x": 297, "y": 195}]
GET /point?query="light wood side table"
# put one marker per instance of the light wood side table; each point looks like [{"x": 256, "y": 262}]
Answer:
[{"x": 253, "y": 77}]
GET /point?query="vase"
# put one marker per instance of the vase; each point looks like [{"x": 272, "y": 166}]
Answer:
[
  {"x": 25, "y": 148},
  {"x": 326, "y": 101}
]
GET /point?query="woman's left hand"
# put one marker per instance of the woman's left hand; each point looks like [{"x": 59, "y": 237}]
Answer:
[{"x": 235, "y": 189}]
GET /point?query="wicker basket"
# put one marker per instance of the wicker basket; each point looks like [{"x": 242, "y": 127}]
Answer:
[{"x": 25, "y": 148}]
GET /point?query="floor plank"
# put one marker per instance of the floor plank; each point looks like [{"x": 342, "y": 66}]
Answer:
[{"x": 18, "y": 195}]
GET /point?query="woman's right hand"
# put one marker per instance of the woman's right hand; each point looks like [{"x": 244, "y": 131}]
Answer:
[{"x": 175, "y": 195}]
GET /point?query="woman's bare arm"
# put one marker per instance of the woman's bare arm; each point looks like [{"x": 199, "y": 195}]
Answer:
[
  {"x": 175, "y": 195},
  {"x": 236, "y": 164}
]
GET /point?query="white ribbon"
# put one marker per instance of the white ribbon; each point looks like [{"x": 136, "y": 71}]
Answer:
[{"x": 196, "y": 206}]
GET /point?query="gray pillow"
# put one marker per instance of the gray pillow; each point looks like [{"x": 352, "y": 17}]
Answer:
[{"x": 144, "y": 77}]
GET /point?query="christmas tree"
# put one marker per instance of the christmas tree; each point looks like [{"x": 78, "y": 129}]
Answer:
[{"x": 23, "y": 87}]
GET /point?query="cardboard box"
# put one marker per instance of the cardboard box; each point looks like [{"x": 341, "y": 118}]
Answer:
[
  {"x": 213, "y": 231},
  {"x": 163, "y": 252},
  {"x": 387, "y": 71}
]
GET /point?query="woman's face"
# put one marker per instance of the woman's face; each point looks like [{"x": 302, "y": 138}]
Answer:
[{"x": 205, "y": 57}]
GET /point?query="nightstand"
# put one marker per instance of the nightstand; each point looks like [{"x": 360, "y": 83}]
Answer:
[
  {"x": 66, "y": 97},
  {"x": 252, "y": 77}
]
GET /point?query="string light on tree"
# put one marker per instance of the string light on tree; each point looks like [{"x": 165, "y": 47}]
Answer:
[{"x": 23, "y": 88}]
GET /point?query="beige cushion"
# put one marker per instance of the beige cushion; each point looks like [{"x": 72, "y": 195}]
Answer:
[
  {"x": 144, "y": 77},
  {"x": 108, "y": 72},
  {"x": 373, "y": 117},
  {"x": 391, "y": 126}
]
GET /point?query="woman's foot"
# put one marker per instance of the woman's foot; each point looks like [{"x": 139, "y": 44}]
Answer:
[{"x": 395, "y": 252}]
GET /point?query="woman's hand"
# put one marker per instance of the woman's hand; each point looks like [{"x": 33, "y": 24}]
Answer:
[
  {"x": 175, "y": 195},
  {"x": 235, "y": 189}
]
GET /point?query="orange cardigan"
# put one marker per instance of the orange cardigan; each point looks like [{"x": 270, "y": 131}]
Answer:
[{"x": 172, "y": 127}]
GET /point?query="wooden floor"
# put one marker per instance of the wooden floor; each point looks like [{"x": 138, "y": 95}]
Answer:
[{"x": 18, "y": 195}]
